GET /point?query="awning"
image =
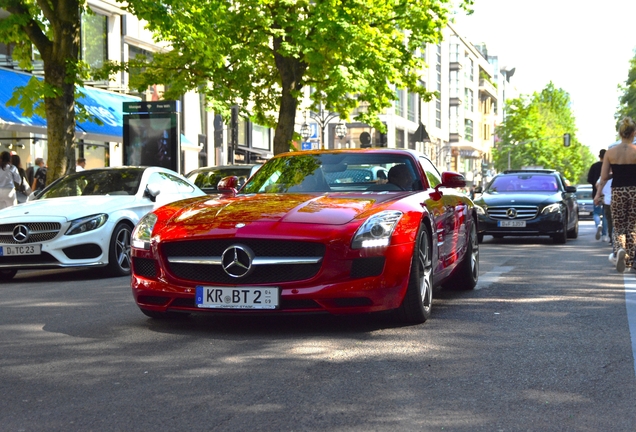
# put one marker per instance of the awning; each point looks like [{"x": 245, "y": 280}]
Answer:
[{"x": 105, "y": 105}]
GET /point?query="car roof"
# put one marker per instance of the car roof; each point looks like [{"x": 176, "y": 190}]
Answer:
[{"x": 525, "y": 171}]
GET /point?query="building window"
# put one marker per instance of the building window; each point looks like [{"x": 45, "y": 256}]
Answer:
[
  {"x": 411, "y": 106},
  {"x": 260, "y": 137},
  {"x": 438, "y": 113},
  {"x": 94, "y": 40},
  {"x": 399, "y": 138},
  {"x": 438, "y": 69},
  {"x": 468, "y": 130},
  {"x": 468, "y": 94},
  {"x": 399, "y": 103},
  {"x": 470, "y": 66},
  {"x": 153, "y": 93}
]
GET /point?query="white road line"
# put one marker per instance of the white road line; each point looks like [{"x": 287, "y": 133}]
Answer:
[
  {"x": 488, "y": 278},
  {"x": 630, "y": 303}
]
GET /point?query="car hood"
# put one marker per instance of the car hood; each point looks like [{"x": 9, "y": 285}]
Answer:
[
  {"x": 68, "y": 207},
  {"x": 279, "y": 208},
  {"x": 527, "y": 198}
]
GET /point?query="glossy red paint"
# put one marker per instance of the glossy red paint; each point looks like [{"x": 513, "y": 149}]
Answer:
[{"x": 347, "y": 280}]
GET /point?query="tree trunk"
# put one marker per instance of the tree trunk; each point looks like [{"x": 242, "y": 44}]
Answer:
[{"x": 292, "y": 72}]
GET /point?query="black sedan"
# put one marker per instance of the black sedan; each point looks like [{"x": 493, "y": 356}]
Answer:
[{"x": 528, "y": 203}]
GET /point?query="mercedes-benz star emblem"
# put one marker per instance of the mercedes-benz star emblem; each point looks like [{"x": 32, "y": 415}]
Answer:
[
  {"x": 237, "y": 260},
  {"x": 511, "y": 213},
  {"x": 20, "y": 233}
]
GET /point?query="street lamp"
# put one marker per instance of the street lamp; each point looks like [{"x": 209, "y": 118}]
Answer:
[
  {"x": 323, "y": 118},
  {"x": 305, "y": 131},
  {"x": 341, "y": 130}
]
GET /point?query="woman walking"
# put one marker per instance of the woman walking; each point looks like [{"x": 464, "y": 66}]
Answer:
[
  {"x": 9, "y": 176},
  {"x": 621, "y": 161}
]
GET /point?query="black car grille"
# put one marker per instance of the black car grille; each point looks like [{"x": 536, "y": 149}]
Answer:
[
  {"x": 274, "y": 272},
  {"x": 38, "y": 232},
  {"x": 513, "y": 212}
]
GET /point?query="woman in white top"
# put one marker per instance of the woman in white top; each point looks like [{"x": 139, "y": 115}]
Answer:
[{"x": 9, "y": 176}]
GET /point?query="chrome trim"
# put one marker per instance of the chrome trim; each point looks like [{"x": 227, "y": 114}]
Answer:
[{"x": 256, "y": 261}]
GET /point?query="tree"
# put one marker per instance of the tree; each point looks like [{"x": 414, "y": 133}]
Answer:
[
  {"x": 53, "y": 28},
  {"x": 627, "y": 101},
  {"x": 532, "y": 135},
  {"x": 260, "y": 54}
]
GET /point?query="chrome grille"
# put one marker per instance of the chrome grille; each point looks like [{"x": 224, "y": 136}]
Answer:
[
  {"x": 38, "y": 232},
  {"x": 522, "y": 212}
]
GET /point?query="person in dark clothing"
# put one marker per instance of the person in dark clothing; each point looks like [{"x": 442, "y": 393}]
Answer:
[{"x": 592, "y": 178}]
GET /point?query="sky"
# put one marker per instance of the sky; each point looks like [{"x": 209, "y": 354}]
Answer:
[{"x": 583, "y": 47}]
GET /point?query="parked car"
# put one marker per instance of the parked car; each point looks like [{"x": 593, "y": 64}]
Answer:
[
  {"x": 302, "y": 236},
  {"x": 207, "y": 178},
  {"x": 528, "y": 203},
  {"x": 586, "y": 201},
  {"x": 85, "y": 219}
]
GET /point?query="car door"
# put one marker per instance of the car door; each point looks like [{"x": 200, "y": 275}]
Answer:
[{"x": 448, "y": 214}]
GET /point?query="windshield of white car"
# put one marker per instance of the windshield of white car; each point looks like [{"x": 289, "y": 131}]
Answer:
[
  {"x": 95, "y": 182},
  {"x": 333, "y": 172}
]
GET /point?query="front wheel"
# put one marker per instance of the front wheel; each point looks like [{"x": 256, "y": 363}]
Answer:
[
  {"x": 562, "y": 237},
  {"x": 574, "y": 233},
  {"x": 467, "y": 273},
  {"x": 418, "y": 300},
  {"x": 119, "y": 250}
]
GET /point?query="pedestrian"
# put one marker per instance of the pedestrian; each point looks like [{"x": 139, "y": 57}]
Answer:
[
  {"x": 620, "y": 160},
  {"x": 9, "y": 176},
  {"x": 81, "y": 164},
  {"x": 23, "y": 189},
  {"x": 593, "y": 176},
  {"x": 39, "y": 175},
  {"x": 606, "y": 193}
]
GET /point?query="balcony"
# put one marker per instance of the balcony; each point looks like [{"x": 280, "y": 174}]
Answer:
[{"x": 488, "y": 88}]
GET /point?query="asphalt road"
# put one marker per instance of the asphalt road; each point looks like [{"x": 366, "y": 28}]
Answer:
[{"x": 543, "y": 344}]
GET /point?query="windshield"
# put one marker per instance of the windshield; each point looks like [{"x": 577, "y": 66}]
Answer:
[
  {"x": 524, "y": 183},
  {"x": 96, "y": 182},
  {"x": 338, "y": 172}
]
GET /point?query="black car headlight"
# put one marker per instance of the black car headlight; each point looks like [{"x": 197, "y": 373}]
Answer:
[
  {"x": 552, "y": 208},
  {"x": 481, "y": 210},
  {"x": 142, "y": 233},
  {"x": 377, "y": 230},
  {"x": 88, "y": 223}
]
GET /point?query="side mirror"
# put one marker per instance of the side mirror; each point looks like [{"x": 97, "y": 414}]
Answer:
[
  {"x": 450, "y": 179},
  {"x": 151, "y": 192},
  {"x": 228, "y": 185},
  {"x": 570, "y": 189},
  {"x": 478, "y": 189}
]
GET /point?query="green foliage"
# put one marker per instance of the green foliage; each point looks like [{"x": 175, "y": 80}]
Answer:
[
  {"x": 260, "y": 54},
  {"x": 627, "y": 101},
  {"x": 532, "y": 135}
]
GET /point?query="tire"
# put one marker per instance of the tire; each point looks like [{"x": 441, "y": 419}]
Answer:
[
  {"x": 574, "y": 233},
  {"x": 418, "y": 300},
  {"x": 7, "y": 274},
  {"x": 119, "y": 251},
  {"x": 163, "y": 315},
  {"x": 467, "y": 273},
  {"x": 480, "y": 238},
  {"x": 562, "y": 237}
]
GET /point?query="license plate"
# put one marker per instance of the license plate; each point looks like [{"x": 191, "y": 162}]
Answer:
[
  {"x": 34, "y": 249},
  {"x": 236, "y": 297},
  {"x": 512, "y": 224},
  {"x": 584, "y": 213}
]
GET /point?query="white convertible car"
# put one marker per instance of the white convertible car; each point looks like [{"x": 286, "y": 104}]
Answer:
[{"x": 85, "y": 219}]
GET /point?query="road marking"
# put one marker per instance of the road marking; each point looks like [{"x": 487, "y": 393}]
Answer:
[
  {"x": 630, "y": 303},
  {"x": 488, "y": 278}
]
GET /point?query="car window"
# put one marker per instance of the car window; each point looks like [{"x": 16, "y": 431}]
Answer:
[
  {"x": 169, "y": 184},
  {"x": 341, "y": 172},
  {"x": 433, "y": 176},
  {"x": 209, "y": 179},
  {"x": 524, "y": 183},
  {"x": 96, "y": 182}
]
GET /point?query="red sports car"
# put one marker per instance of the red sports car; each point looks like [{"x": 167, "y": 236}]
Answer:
[{"x": 344, "y": 231}]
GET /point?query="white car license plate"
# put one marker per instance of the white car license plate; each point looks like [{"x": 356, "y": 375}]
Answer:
[
  {"x": 34, "y": 249},
  {"x": 236, "y": 297},
  {"x": 512, "y": 224}
]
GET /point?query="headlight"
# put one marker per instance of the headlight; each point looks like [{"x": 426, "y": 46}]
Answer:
[
  {"x": 480, "y": 210},
  {"x": 552, "y": 208},
  {"x": 88, "y": 223},
  {"x": 376, "y": 231},
  {"x": 143, "y": 231}
]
